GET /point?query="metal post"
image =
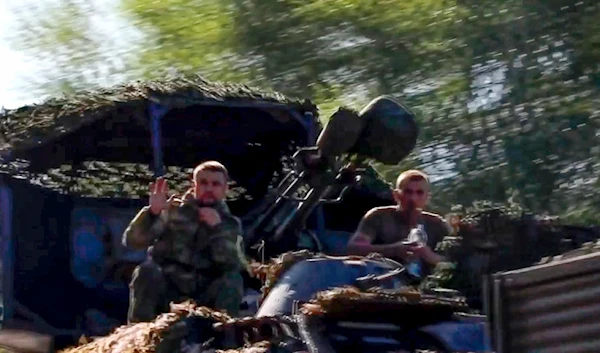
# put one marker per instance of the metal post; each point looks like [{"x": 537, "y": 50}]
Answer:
[
  {"x": 498, "y": 325},
  {"x": 157, "y": 112},
  {"x": 487, "y": 288},
  {"x": 7, "y": 252},
  {"x": 311, "y": 133}
]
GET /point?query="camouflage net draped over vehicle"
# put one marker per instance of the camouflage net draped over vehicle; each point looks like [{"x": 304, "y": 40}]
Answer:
[
  {"x": 150, "y": 337},
  {"x": 408, "y": 305},
  {"x": 270, "y": 272},
  {"x": 29, "y": 125},
  {"x": 111, "y": 129},
  {"x": 168, "y": 332},
  {"x": 488, "y": 238}
]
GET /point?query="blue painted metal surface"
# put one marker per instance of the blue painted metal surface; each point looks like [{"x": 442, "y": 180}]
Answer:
[
  {"x": 460, "y": 336},
  {"x": 308, "y": 277},
  {"x": 304, "y": 279},
  {"x": 310, "y": 128},
  {"x": 335, "y": 241},
  {"x": 157, "y": 111},
  {"x": 7, "y": 252}
]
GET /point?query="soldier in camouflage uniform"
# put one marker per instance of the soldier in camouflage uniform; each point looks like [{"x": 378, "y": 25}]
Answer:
[{"x": 195, "y": 248}]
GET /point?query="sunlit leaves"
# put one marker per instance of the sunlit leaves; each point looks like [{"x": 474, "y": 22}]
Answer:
[
  {"x": 67, "y": 39},
  {"x": 190, "y": 36},
  {"x": 505, "y": 91}
]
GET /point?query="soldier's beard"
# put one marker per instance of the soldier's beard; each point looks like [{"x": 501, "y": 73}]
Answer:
[
  {"x": 206, "y": 199},
  {"x": 202, "y": 202}
]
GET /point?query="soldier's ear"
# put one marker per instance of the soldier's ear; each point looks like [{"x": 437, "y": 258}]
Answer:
[{"x": 396, "y": 195}]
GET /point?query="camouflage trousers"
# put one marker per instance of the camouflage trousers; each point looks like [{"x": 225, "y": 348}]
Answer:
[{"x": 153, "y": 287}]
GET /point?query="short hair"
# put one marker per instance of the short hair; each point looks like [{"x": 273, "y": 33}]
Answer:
[
  {"x": 211, "y": 166},
  {"x": 411, "y": 175}
]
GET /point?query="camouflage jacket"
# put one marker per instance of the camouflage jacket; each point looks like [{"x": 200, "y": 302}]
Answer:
[{"x": 177, "y": 236}]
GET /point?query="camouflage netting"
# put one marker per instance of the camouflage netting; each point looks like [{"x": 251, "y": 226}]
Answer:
[
  {"x": 489, "y": 238},
  {"x": 108, "y": 180},
  {"x": 587, "y": 248},
  {"x": 168, "y": 332},
  {"x": 380, "y": 304},
  {"x": 271, "y": 271},
  {"x": 35, "y": 124},
  {"x": 159, "y": 335}
]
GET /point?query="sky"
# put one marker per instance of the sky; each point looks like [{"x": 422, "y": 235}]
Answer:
[
  {"x": 13, "y": 64},
  {"x": 115, "y": 36}
]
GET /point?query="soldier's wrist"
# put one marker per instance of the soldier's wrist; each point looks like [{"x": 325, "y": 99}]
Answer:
[
  {"x": 155, "y": 220},
  {"x": 152, "y": 214}
]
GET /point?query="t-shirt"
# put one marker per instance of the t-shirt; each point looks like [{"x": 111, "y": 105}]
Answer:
[{"x": 385, "y": 225}]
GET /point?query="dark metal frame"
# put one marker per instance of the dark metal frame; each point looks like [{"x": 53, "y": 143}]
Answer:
[
  {"x": 6, "y": 250},
  {"x": 157, "y": 111}
]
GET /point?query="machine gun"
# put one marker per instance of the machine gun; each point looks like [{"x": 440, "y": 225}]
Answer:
[{"x": 385, "y": 131}]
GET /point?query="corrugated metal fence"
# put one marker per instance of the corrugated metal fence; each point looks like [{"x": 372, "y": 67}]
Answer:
[{"x": 549, "y": 308}]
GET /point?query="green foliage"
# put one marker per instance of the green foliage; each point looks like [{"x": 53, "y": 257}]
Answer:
[
  {"x": 506, "y": 92},
  {"x": 483, "y": 225}
]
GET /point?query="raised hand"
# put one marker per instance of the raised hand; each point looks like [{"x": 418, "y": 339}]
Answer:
[{"x": 159, "y": 191}]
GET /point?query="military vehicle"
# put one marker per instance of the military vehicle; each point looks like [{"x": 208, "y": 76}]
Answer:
[
  {"x": 84, "y": 160},
  {"x": 80, "y": 165}
]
